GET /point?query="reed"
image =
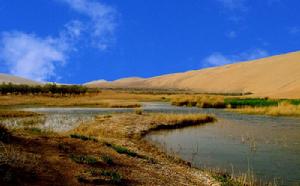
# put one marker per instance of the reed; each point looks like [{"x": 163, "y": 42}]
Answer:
[
  {"x": 283, "y": 109},
  {"x": 202, "y": 101}
]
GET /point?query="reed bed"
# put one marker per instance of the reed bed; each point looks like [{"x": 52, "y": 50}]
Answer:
[
  {"x": 283, "y": 109},
  {"x": 203, "y": 101}
]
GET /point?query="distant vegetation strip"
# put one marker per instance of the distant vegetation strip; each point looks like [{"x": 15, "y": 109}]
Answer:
[
  {"x": 43, "y": 89},
  {"x": 15, "y": 114},
  {"x": 234, "y": 102}
]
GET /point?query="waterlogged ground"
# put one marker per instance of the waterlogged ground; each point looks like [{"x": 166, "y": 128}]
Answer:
[{"x": 267, "y": 146}]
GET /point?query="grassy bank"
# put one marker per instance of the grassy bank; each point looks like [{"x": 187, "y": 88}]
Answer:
[
  {"x": 137, "y": 125},
  {"x": 107, "y": 151},
  {"x": 105, "y": 99},
  {"x": 283, "y": 109},
  {"x": 5, "y": 113},
  {"x": 264, "y": 106}
]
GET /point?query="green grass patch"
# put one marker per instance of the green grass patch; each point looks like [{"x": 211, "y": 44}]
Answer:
[
  {"x": 108, "y": 160},
  {"x": 115, "y": 177},
  {"x": 84, "y": 138},
  {"x": 257, "y": 102},
  {"x": 34, "y": 130},
  {"x": 84, "y": 159},
  {"x": 252, "y": 102},
  {"x": 225, "y": 179},
  {"x": 294, "y": 101},
  {"x": 124, "y": 150}
]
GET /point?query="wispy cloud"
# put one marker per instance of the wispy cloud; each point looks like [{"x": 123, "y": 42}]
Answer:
[
  {"x": 218, "y": 59},
  {"x": 232, "y": 34},
  {"x": 294, "y": 30},
  {"x": 234, "y": 4},
  {"x": 32, "y": 57},
  {"x": 102, "y": 20},
  {"x": 37, "y": 58}
]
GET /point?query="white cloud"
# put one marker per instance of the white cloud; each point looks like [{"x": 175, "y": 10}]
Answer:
[
  {"x": 218, "y": 59},
  {"x": 101, "y": 24},
  {"x": 30, "y": 56},
  {"x": 37, "y": 58},
  {"x": 232, "y": 34}
]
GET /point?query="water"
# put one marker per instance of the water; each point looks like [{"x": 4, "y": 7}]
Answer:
[{"x": 267, "y": 146}]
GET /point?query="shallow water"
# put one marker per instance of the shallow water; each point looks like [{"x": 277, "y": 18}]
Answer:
[{"x": 267, "y": 146}]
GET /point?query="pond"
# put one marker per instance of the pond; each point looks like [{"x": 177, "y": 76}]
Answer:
[
  {"x": 268, "y": 147},
  {"x": 264, "y": 146}
]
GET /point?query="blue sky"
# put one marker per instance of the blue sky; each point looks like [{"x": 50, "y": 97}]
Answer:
[{"x": 75, "y": 41}]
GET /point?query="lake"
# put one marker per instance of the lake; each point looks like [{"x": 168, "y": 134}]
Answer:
[{"x": 268, "y": 147}]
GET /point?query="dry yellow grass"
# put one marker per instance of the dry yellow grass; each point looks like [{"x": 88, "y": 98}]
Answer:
[
  {"x": 77, "y": 161},
  {"x": 202, "y": 101},
  {"x": 126, "y": 131},
  {"x": 283, "y": 109},
  {"x": 135, "y": 126},
  {"x": 105, "y": 99},
  {"x": 15, "y": 113}
]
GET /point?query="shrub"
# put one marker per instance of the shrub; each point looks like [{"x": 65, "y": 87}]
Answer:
[{"x": 48, "y": 88}]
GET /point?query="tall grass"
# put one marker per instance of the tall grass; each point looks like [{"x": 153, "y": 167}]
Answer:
[
  {"x": 283, "y": 109},
  {"x": 200, "y": 101},
  {"x": 205, "y": 101}
]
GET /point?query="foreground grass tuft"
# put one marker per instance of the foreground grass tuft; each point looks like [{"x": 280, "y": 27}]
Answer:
[
  {"x": 108, "y": 160},
  {"x": 84, "y": 159},
  {"x": 124, "y": 150},
  {"x": 283, "y": 109},
  {"x": 115, "y": 177},
  {"x": 225, "y": 179},
  {"x": 83, "y": 137}
]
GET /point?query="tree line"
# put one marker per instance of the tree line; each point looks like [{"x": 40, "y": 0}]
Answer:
[{"x": 52, "y": 88}]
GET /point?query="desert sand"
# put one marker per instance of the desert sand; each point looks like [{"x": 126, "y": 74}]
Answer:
[
  {"x": 5, "y": 78},
  {"x": 276, "y": 76}
]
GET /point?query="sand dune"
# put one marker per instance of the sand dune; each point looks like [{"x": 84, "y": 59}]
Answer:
[
  {"x": 5, "y": 78},
  {"x": 276, "y": 76}
]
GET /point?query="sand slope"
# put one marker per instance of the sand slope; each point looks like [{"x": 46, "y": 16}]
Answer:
[
  {"x": 276, "y": 76},
  {"x": 5, "y": 78}
]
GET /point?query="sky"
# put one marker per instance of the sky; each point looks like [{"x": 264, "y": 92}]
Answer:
[{"x": 76, "y": 41}]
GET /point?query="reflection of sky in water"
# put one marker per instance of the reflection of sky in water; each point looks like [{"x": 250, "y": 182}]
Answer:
[{"x": 270, "y": 146}]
